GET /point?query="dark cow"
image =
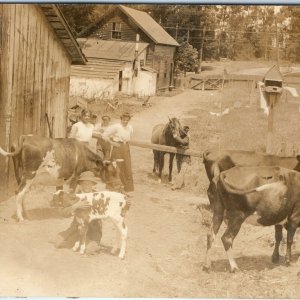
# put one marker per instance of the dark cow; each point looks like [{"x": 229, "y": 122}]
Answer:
[
  {"x": 53, "y": 162},
  {"x": 216, "y": 161},
  {"x": 270, "y": 193},
  {"x": 163, "y": 134}
]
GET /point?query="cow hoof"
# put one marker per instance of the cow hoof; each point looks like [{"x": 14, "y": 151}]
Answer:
[
  {"x": 234, "y": 270},
  {"x": 206, "y": 269},
  {"x": 275, "y": 259},
  {"x": 113, "y": 250},
  {"x": 287, "y": 263}
]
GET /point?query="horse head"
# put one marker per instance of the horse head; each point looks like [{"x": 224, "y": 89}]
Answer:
[{"x": 175, "y": 126}]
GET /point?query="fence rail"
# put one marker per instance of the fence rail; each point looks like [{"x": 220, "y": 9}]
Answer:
[{"x": 144, "y": 144}]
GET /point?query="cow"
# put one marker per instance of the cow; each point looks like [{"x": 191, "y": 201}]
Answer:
[
  {"x": 53, "y": 162},
  {"x": 163, "y": 134},
  {"x": 105, "y": 204},
  {"x": 216, "y": 161},
  {"x": 270, "y": 193}
]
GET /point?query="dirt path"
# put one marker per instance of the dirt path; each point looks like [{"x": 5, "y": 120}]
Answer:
[{"x": 166, "y": 245}]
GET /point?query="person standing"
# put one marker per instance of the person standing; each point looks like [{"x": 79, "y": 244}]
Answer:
[
  {"x": 183, "y": 161},
  {"x": 83, "y": 129},
  {"x": 101, "y": 127},
  {"x": 118, "y": 135}
]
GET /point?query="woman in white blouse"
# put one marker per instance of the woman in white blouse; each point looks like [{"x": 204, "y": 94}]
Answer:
[
  {"x": 83, "y": 130},
  {"x": 119, "y": 135}
]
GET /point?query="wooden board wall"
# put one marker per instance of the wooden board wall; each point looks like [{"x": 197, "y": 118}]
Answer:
[{"x": 34, "y": 78}]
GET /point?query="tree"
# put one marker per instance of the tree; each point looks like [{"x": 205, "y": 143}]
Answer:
[{"x": 186, "y": 58}]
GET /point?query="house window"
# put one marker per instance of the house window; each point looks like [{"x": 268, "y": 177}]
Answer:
[{"x": 116, "y": 30}]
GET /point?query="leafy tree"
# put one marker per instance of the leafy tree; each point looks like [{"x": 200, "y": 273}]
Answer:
[{"x": 186, "y": 58}]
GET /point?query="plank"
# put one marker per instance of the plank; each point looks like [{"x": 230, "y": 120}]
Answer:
[{"x": 147, "y": 145}]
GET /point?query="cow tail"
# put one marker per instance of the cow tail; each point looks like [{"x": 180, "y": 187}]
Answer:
[{"x": 16, "y": 151}]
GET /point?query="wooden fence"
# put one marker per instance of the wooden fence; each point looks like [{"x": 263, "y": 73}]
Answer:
[{"x": 144, "y": 144}]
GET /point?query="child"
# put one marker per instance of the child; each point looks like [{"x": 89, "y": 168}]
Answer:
[{"x": 67, "y": 238}]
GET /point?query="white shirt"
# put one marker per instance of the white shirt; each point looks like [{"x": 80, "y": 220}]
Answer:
[
  {"x": 82, "y": 132},
  {"x": 118, "y": 133}
]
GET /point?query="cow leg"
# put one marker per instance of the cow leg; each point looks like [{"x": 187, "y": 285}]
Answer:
[
  {"x": 21, "y": 192},
  {"x": 278, "y": 239},
  {"x": 83, "y": 233},
  {"x": 212, "y": 194},
  {"x": 235, "y": 221},
  {"x": 122, "y": 231},
  {"x": 171, "y": 166},
  {"x": 217, "y": 220},
  {"x": 291, "y": 229}
]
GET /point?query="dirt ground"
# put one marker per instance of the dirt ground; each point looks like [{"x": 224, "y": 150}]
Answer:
[{"x": 167, "y": 232}]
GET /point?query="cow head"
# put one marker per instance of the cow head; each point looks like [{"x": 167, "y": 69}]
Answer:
[{"x": 110, "y": 175}]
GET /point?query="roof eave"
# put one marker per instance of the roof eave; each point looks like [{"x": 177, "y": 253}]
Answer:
[
  {"x": 75, "y": 53},
  {"x": 139, "y": 26}
]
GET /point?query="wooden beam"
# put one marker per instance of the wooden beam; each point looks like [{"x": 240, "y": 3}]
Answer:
[{"x": 164, "y": 148}]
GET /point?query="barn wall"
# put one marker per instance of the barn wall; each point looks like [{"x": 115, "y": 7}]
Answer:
[{"x": 34, "y": 77}]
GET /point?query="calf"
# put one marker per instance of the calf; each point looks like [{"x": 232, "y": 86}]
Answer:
[
  {"x": 106, "y": 204},
  {"x": 271, "y": 193}
]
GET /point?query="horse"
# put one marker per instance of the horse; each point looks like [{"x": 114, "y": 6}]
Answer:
[{"x": 163, "y": 134}]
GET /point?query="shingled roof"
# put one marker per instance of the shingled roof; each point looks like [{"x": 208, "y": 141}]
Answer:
[
  {"x": 118, "y": 50},
  {"x": 63, "y": 32},
  {"x": 150, "y": 27}
]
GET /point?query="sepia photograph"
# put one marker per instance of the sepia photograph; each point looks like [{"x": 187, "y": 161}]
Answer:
[{"x": 149, "y": 150}]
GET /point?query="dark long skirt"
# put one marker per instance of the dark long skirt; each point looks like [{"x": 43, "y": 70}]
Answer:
[{"x": 123, "y": 152}]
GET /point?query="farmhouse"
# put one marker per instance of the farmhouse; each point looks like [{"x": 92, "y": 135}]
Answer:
[
  {"x": 127, "y": 51},
  {"x": 37, "y": 50}
]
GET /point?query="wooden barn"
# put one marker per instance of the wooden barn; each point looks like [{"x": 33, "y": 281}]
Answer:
[
  {"x": 123, "y": 24},
  {"x": 37, "y": 49}
]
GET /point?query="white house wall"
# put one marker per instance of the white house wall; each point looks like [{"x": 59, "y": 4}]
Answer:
[
  {"x": 93, "y": 88},
  {"x": 145, "y": 84}
]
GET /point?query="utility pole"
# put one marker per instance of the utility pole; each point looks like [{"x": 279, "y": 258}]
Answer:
[
  {"x": 176, "y": 32},
  {"x": 188, "y": 35},
  {"x": 277, "y": 42},
  {"x": 200, "y": 52}
]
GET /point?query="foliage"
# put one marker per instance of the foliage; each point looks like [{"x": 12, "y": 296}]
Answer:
[
  {"x": 186, "y": 58},
  {"x": 216, "y": 31}
]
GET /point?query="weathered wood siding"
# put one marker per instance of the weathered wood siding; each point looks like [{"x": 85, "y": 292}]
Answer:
[
  {"x": 161, "y": 59},
  {"x": 128, "y": 30},
  {"x": 34, "y": 78}
]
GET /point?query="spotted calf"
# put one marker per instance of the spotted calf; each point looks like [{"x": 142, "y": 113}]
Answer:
[{"x": 106, "y": 204}]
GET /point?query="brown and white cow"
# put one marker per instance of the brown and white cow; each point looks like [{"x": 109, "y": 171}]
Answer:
[
  {"x": 54, "y": 162},
  {"x": 270, "y": 193},
  {"x": 102, "y": 205}
]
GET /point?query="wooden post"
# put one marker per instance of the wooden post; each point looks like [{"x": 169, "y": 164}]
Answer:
[{"x": 272, "y": 101}]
